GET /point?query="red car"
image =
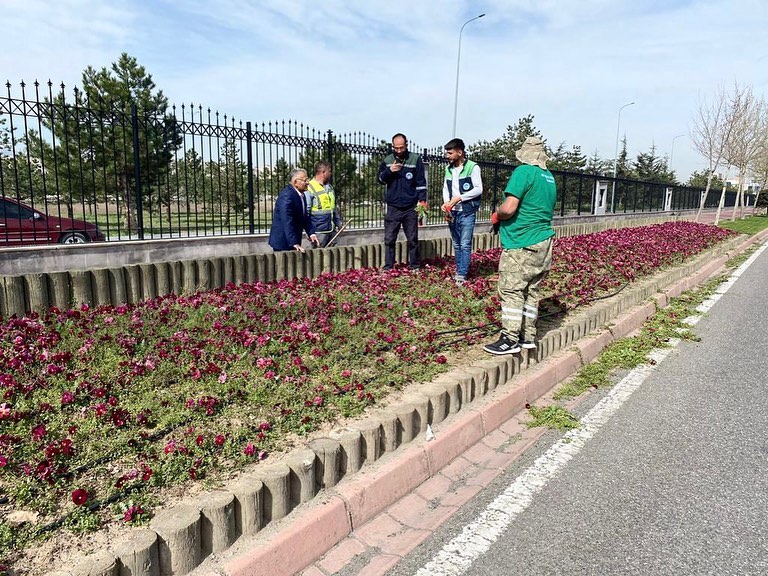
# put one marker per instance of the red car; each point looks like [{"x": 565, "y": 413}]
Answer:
[{"x": 21, "y": 225}]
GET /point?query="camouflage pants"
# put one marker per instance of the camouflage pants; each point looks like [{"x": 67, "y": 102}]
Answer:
[{"x": 521, "y": 271}]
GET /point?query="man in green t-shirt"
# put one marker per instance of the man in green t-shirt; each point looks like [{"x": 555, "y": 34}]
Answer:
[{"x": 526, "y": 234}]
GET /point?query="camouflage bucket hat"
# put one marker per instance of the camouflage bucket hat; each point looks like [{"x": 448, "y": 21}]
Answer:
[{"x": 532, "y": 152}]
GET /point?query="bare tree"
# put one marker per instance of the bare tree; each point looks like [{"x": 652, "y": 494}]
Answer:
[
  {"x": 710, "y": 134},
  {"x": 721, "y": 202},
  {"x": 760, "y": 165},
  {"x": 747, "y": 114}
]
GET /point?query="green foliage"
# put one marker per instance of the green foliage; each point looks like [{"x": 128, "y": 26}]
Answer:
[
  {"x": 92, "y": 143},
  {"x": 345, "y": 180},
  {"x": 597, "y": 165},
  {"x": 82, "y": 520},
  {"x": 750, "y": 225},
  {"x": 572, "y": 160},
  {"x": 552, "y": 416},
  {"x": 503, "y": 149},
  {"x": 699, "y": 180},
  {"x": 5, "y": 138},
  {"x": 650, "y": 168}
]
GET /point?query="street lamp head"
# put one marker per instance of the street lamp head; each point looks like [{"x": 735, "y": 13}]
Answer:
[{"x": 458, "y": 64}]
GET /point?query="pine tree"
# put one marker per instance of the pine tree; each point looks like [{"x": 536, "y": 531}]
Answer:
[
  {"x": 92, "y": 141},
  {"x": 503, "y": 149}
]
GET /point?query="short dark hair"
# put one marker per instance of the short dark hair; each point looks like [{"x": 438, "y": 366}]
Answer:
[
  {"x": 321, "y": 165},
  {"x": 400, "y": 135},
  {"x": 455, "y": 144}
]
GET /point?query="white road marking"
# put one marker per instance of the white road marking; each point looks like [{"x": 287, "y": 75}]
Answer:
[{"x": 477, "y": 537}]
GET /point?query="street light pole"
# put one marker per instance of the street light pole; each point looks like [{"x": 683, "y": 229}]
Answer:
[
  {"x": 458, "y": 62},
  {"x": 616, "y": 154},
  {"x": 672, "y": 150}
]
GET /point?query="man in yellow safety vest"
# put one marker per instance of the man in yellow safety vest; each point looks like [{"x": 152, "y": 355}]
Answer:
[{"x": 322, "y": 206}]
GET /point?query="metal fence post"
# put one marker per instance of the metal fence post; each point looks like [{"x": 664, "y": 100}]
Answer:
[
  {"x": 329, "y": 147},
  {"x": 249, "y": 162},
  {"x": 137, "y": 170}
]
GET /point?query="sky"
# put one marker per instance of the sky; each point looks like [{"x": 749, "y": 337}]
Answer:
[{"x": 382, "y": 67}]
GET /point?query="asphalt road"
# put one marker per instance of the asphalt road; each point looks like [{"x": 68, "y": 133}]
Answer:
[{"x": 674, "y": 483}]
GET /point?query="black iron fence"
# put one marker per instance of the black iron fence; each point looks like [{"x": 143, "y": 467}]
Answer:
[{"x": 74, "y": 170}]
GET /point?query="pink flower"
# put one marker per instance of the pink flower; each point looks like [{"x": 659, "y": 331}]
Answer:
[
  {"x": 38, "y": 432},
  {"x": 219, "y": 440},
  {"x": 67, "y": 398},
  {"x": 249, "y": 449},
  {"x": 317, "y": 401},
  {"x": 132, "y": 513},
  {"x": 3, "y": 461},
  {"x": 79, "y": 496}
]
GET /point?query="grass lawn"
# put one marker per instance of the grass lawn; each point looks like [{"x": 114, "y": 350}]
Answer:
[{"x": 750, "y": 224}]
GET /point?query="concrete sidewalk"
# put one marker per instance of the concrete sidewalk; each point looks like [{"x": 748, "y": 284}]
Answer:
[{"x": 370, "y": 520}]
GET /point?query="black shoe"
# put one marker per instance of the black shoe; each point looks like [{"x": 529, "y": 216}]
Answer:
[
  {"x": 504, "y": 345},
  {"x": 527, "y": 344}
]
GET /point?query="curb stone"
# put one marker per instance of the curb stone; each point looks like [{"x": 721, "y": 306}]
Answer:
[{"x": 267, "y": 543}]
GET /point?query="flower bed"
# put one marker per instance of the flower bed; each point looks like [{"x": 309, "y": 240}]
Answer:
[{"x": 101, "y": 406}]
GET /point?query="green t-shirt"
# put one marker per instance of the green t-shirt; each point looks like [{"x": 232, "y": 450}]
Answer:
[{"x": 532, "y": 223}]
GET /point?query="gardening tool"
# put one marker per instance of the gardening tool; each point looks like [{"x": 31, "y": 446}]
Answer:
[{"x": 340, "y": 230}]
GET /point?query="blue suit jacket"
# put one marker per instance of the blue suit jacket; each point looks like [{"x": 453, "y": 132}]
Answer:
[{"x": 289, "y": 220}]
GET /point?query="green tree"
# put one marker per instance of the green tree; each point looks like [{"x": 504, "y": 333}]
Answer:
[
  {"x": 188, "y": 176},
  {"x": 572, "y": 160},
  {"x": 233, "y": 174},
  {"x": 93, "y": 139},
  {"x": 345, "y": 182},
  {"x": 651, "y": 168},
  {"x": 699, "y": 180},
  {"x": 623, "y": 169},
  {"x": 597, "y": 165},
  {"x": 503, "y": 149},
  {"x": 21, "y": 176},
  {"x": 5, "y": 138}
]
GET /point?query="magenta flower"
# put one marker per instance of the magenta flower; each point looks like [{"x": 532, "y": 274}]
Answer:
[
  {"x": 132, "y": 513},
  {"x": 38, "y": 432},
  {"x": 79, "y": 496}
]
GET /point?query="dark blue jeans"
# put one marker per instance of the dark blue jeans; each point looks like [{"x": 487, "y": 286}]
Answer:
[
  {"x": 462, "y": 228},
  {"x": 409, "y": 220}
]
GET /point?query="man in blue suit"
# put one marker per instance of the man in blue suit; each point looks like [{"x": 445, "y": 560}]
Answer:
[{"x": 291, "y": 217}]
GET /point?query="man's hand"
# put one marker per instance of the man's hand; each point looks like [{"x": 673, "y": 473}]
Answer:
[
  {"x": 298, "y": 248},
  {"x": 495, "y": 219},
  {"x": 396, "y": 167},
  {"x": 313, "y": 239},
  {"x": 424, "y": 204}
]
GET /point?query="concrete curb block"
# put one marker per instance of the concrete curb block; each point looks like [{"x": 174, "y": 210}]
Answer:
[
  {"x": 185, "y": 535},
  {"x": 134, "y": 283}
]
